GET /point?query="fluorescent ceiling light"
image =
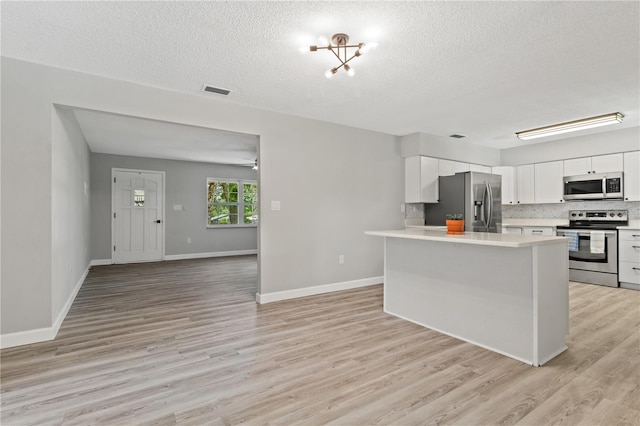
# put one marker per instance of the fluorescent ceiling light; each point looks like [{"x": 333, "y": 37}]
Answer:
[{"x": 571, "y": 126}]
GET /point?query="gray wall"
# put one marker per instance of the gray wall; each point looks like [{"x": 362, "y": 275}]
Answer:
[
  {"x": 70, "y": 187},
  {"x": 448, "y": 148},
  {"x": 26, "y": 201},
  {"x": 185, "y": 184},
  {"x": 333, "y": 182}
]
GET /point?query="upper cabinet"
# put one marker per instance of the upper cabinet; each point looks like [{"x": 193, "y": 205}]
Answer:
[
  {"x": 479, "y": 168},
  {"x": 632, "y": 176},
  {"x": 597, "y": 164},
  {"x": 450, "y": 168},
  {"x": 524, "y": 184},
  {"x": 525, "y": 181},
  {"x": 421, "y": 180},
  {"x": 508, "y": 183},
  {"x": 548, "y": 182}
]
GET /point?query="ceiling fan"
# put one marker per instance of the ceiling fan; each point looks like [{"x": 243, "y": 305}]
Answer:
[{"x": 253, "y": 163}]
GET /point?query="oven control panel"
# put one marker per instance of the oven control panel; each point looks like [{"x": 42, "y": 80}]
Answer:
[{"x": 599, "y": 215}]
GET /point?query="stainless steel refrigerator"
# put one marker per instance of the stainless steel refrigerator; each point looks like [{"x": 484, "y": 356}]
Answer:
[{"x": 476, "y": 195}]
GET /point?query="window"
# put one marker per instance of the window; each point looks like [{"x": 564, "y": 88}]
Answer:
[{"x": 232, "y": 202}]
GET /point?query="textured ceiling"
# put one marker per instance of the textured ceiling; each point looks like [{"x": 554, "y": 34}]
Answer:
[
  {"x": 124, "y": 135},
  {"x": 481, "y": 69}
]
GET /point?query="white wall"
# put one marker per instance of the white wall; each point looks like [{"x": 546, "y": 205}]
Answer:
[
  {"x": 70, "y": 189},
  {"x": 573, "y": 147},
  {"x": 185, "y": 184},
  {"x": 333, "y": 182},
  {"x": 448, "y": 148}
]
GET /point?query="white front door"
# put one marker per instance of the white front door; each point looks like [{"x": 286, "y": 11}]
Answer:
[{"x": 138, "y": 208}]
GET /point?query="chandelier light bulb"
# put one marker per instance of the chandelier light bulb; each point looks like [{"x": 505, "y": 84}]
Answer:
[
  {"x": 350, "y": 71},
  {"x": 305, "y": 49},
  {"x": 367, "y": 47},
  {"x": 328, "y": 74}
]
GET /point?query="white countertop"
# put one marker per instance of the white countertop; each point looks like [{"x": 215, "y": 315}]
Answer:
[
  {"x": 478, "y": 238},
  {"x": 534, "y": 222},
  {"x": 427, "y": 228},
  {"x": 633, "y": 225}
]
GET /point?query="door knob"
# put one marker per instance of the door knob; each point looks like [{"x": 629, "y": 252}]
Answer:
[{"x": 158, "y": 221}]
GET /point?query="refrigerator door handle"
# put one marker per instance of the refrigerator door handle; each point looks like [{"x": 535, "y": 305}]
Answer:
[
  {"x": 485, "y": 195},
  {"x": 490, "y": 190}
]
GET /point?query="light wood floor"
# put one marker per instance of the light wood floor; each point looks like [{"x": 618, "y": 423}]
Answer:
[{"x": 184, "y": 342}]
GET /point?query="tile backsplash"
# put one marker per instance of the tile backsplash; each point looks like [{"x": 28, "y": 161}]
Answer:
[
  {"x": 561, "y": 211},
  {"x": 415, "y": 211}
]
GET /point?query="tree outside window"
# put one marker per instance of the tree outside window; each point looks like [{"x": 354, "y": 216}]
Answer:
[{"x": 232, "y": 202}]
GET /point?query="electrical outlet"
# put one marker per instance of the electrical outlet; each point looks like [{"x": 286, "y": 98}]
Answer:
[
  {"x": 341, "y": 259},
  {"x": 188, "y": 240}
]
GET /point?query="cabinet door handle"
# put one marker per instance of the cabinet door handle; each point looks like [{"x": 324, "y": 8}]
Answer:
[
  {"x": 635, "y": 269},
  {"x": 537, "y": 231},
  {"x": 635, "y": 246}
]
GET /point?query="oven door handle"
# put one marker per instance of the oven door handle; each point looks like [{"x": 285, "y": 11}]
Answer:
[{"x": 584, "y": 234}]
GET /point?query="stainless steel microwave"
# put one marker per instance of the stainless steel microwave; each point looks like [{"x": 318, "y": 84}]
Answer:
[{"x": 595, "y": 186}]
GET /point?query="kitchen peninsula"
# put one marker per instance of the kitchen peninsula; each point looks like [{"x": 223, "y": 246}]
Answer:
[{"x": 503, "y": 292}]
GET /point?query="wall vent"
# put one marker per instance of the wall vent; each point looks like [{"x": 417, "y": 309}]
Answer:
[
  {"x": 457, "y": 136},
  {"x": 217, "y": 90}
]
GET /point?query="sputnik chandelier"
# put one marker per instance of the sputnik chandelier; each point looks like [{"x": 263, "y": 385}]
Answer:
[{"x": 340, "y": 47}]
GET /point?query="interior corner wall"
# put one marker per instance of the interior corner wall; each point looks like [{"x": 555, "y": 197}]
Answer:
[
  {"x": 448, "y": 148},
  {"x": 333, "y": 182},
  {"x": 605, "y": 142},
  {"x": 70, "y": 188},
  {"x": 185, "y": 185},
  {"x": 26, "y": 200}
]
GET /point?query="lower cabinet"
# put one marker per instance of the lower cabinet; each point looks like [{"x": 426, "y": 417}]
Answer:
[
  {"x": 511, "y": 230},
  {"x": 629, "y": 258},
  {"x": 538, "y": 230}
]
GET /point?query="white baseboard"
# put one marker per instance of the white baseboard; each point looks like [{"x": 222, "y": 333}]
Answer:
[
  {"x": 99, "y": 262},
  {"x": 210, "y": 254},
  {"x": 20, "y": 338},
  {"x": 9, "y": 340},
  {"x": 319, "y": 289},
  {"x": 65, "y": 309}
]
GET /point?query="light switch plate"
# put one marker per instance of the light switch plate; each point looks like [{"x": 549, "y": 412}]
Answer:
[{"x": 275, "y": 205}]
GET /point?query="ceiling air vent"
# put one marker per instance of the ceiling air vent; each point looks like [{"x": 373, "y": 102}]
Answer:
[
  {"x": 217, "y": 90},
  {"x": 457, "y": 136}
]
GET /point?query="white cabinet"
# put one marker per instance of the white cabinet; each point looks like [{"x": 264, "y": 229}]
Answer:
[
  {"x": 508, "y": 183},
  {"x": 512, "y": 230},
  {"x": 629, "y": 258},
  {"x": 632, "y": 176},
  {"x": 445, "y": 167},
  {"x": 460, "y": 167},
  {"x": 597, "y": 164},
  {"x": 479, "y": 168},
  {"x": 577, "y": 166},
  {"x": 525, "y": 181},
  {"x": 450, "y": 167},
  {"x": 607, "y": 163},
  {"x": 548, "y": 187},
  {"x": 538, "y": 230},
  {"x": 421, "y": 180}
]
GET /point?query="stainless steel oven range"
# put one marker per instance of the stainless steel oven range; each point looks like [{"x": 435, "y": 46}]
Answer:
[{"x": 593, "y": 248}]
